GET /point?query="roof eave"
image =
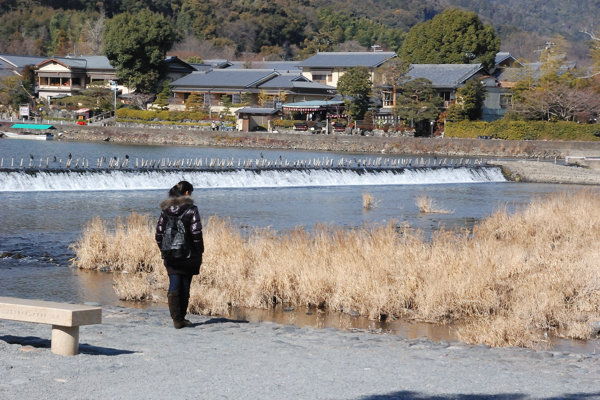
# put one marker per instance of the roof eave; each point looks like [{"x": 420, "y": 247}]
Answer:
[{"x": 263, "y": 79}]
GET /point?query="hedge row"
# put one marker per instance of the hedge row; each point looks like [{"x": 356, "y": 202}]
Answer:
[
  {"x": 177, "y": 123},
  {"x": 178, "y": 116},
  {"x": 286, "y": 123},
  {"x": 523, "y": 130}
]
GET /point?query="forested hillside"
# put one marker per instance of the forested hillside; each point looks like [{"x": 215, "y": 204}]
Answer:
[{"x": 283, "y": 29}]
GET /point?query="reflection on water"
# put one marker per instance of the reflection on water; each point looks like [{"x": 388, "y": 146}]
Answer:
[
  {"x": 406, "y": 329},
  {"x": 316, "y": 318}
]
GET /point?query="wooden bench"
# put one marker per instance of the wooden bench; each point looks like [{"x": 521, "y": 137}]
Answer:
[{"x": 64, "y": 318}]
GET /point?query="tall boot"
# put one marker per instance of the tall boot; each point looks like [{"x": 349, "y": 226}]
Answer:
[
  {"x": 184, "y": 301},
  {"x": 175, "y": 309}
]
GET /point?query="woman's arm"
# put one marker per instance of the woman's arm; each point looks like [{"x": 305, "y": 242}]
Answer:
[
  {"x": 196, "y": 229},
  {"x": 160, "y": 229}
]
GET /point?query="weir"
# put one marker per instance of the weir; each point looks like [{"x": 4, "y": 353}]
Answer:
[
  {"x": 77, "y": 174},
  {"x": 231, "y": 164},
  {"x": 152, "y": 179}
]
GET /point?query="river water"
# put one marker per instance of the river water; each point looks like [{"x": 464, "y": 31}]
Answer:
[{"x": 43, "y": 212}]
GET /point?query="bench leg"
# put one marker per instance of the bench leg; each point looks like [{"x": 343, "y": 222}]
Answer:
[{"x": 65, "y": 340}]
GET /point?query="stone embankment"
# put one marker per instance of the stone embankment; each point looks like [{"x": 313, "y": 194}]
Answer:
[{"x": 337, "y": 143}]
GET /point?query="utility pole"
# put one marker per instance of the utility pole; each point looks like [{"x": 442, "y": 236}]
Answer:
[{"x": 114, "y": 86}]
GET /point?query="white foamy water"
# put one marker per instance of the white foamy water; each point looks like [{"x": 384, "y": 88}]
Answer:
[{"x": 18, "y": 181}]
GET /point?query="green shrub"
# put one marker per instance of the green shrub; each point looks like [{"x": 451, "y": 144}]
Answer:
[
  {"x": 155, "y": 116},
  {"x": 163, "y": 115},
  {"x": 522, "y": 130},
  {"x": 285, "y": 123}
]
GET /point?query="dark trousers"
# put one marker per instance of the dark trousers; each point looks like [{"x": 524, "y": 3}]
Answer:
[{"x": 181, "y": 283}]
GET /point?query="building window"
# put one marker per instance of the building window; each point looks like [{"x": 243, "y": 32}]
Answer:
[
  {"x": 236, "y": 98},
  {"x": 54, "y": 81},
  {"x": 388, "y": 99},
  {"x": 320, "y": 78}
]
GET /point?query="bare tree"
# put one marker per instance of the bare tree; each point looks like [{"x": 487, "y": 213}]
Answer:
[
  {"x": 191, "y": 46},
  {"x": 241, "y": 32},
  {"x": 141, "y": 100},
  {"x": 92, "y": 36},
  {"x": 524, "y": 44},
  {"x": 31, "y": 46},
  {"x": 350, "y": 45},
  {"x": 557, "y": 100}
]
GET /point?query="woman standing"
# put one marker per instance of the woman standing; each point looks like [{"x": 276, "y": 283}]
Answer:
[{"x": 181, "y": 267}]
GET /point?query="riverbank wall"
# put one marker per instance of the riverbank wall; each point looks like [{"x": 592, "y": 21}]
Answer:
[{"x": 336, "y": 143}]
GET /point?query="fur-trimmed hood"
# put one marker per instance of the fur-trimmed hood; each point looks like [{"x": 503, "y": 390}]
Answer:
[{"x": 173, "y": 204}]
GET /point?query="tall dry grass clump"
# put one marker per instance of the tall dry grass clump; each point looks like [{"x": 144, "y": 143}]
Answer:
[
  {"x": 515, "y": 277},
  {"x": 428, "y": 206},
  {"x": 369, "y": 202},
  {"x": 124, "y": 247}
]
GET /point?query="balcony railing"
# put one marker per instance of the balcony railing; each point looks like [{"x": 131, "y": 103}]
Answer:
[{"x": 61, "y": 87}]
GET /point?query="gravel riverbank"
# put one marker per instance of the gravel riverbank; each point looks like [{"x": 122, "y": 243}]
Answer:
[
  {"x": 137, "y": 354},
  {"x": 548, "y": 172}
]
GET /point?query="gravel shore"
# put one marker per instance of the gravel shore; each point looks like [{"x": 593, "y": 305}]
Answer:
[
  {"x": 548, "y": 172},
  {"x": 137, "y": 354}
]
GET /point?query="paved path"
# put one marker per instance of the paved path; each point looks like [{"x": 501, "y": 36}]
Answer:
[{"x": 136, "y": 354}]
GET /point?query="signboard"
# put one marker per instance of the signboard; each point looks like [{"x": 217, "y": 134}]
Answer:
[{"x": 24, "y": 111}]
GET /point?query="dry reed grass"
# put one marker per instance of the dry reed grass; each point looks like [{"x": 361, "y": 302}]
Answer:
[
  {"x": 369, "y": 202},
  {"x": 512, "y": 279},
  {"x": 428, "y": 206}
]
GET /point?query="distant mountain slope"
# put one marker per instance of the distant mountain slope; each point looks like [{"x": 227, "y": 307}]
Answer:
[
  {"x": 544, "y": 17},
  {"x": 286, "y": 28}
]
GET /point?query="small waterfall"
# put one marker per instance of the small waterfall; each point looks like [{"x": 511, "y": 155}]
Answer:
[{"x": 90, "y": 180}]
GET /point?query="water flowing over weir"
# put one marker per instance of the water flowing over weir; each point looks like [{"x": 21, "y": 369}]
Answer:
[{"x": 26, "y": 180}]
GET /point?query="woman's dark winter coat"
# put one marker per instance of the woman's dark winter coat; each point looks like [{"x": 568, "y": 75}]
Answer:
[{"x": 176, "y": 206}]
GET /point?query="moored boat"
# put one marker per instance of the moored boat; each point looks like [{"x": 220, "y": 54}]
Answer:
[{"x": 30, "y": 136}]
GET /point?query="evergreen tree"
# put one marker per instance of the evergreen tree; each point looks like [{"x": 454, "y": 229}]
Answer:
[
  {"x": 226, "y": 102},
  {"x": 418, "y": 101},
  {"x": 392, "y": 75},
  {"x": 12, "y": 93},
  {"x": 97, "y": 96},
  {"x": 161, "y": 102},
  {"x": 469, "y": 102},
  {"x": 136, "y": 46},
  {"x": 194, "y": 102},
  {"x": 62, "y": 43},
  {"x": 247, "y": 98},
  {"x": 356, "y": 86},
  {"x": 452, "y": 37}
]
